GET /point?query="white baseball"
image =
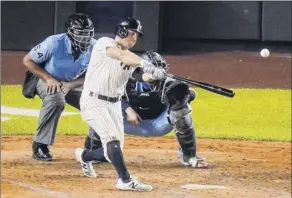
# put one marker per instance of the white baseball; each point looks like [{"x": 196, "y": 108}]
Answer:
[{"x": 265, "y": 53}]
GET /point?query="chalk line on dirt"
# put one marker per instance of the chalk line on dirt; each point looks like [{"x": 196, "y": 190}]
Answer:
[
  {"x": 173, "y": 191},
  {"x": 205, "y": 186},
  {"x": 42, "y": 190}
]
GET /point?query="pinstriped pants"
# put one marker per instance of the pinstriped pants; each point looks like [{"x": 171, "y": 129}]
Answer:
[{"x": 105, "y": 118}]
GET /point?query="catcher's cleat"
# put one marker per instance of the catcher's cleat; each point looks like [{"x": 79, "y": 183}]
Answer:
[
  {"x": 41, "y": 152},
  {"x": 87, "y": 167},
  {"x": 133, "y": 185},
  {"x": 196, "y": 162}
]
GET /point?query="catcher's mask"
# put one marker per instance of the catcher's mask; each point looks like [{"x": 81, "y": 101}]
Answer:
[
  {"x": 80, "y": 30},
  {"x": 156, "y": 59},
  {"x": 126, "y": 24}
]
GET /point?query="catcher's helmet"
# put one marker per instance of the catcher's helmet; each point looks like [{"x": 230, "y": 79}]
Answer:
[
  {"x": 128, "y": 24},
  {"x": 155, "y": 59},
  {"x": 80, "y": 30}
]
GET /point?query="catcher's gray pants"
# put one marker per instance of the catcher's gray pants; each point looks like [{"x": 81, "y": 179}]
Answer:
[{"x": 52, "y": 108}]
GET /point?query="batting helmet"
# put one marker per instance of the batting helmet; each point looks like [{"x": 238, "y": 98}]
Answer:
[
  {"x": 128, "y": 24},
  {"x": 80, "y": 30},
  {"x": 156, "y": 59}
]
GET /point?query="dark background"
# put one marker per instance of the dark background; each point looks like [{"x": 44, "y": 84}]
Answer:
[{"x": 168, "y": 26}]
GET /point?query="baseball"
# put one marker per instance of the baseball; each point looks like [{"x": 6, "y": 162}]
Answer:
[{"x": 265, "y": 53}]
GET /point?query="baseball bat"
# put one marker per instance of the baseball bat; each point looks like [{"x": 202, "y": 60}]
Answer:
[{"x": 213, "y": 88}]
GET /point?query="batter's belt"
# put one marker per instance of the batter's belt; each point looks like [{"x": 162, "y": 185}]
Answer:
[{"x": 103, "y": 97}]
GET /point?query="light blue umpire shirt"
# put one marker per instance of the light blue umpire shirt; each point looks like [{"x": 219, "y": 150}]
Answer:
[{"x": 55, "y": 54}]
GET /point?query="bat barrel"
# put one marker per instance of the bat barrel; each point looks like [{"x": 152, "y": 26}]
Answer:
[{"x": 207, "y": 86}]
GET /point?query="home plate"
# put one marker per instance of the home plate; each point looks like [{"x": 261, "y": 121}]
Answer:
[{"x": 199, "y": 187}]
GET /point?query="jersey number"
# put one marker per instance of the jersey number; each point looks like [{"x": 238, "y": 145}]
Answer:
[
  {"x": 40, "y": 55},
  {"x": 125, "y": 67}
]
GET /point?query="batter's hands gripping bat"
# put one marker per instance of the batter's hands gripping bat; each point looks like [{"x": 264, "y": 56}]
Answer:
[{"x": 213, "y": 88}]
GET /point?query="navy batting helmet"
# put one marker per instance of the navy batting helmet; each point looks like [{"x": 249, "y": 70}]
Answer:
[
  {"x": 80, "y": 30},
  {"x": 128, "y": 24}
]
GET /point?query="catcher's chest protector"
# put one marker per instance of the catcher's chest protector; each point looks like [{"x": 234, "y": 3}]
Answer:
[{"x": 145, "y": 102}]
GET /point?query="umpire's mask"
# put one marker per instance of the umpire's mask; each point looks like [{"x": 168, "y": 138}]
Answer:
[{"x": 80, "y": 31}]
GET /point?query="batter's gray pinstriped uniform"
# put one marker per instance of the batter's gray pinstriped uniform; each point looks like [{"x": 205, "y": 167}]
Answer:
[{"x": 105, "y": 76}]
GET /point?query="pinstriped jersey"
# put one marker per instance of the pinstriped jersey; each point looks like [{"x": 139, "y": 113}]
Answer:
[{"x": 105, "y": 75}]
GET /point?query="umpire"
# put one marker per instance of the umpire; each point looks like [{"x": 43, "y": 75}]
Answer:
[{"x": 56, "y": 68}]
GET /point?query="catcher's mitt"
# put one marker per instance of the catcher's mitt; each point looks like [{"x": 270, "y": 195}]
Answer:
[{"x": 177, "y": 95}]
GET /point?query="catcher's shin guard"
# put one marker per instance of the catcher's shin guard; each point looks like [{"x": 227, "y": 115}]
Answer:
[
  {"x": 183, "y": 126},
  {"x": 187, "y": 142}
]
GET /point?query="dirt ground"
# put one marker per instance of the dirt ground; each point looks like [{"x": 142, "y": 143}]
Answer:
[{"x": 244, "y": 168}]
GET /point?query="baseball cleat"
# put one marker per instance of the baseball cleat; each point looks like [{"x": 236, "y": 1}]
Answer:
[
  {"x": 87, "y": 167},
  {"x": 133, "y": 185},
  {"x": 196, "y": 162},
  {"x": 41, "y": 152}
]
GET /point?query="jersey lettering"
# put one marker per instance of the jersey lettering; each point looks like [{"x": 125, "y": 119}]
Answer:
[
  {"x": 37, "y": 47},
  {"x": 125, "y": 67}
]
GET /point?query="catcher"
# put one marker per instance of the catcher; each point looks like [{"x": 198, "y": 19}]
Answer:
[{"x": 155, "y": 109}]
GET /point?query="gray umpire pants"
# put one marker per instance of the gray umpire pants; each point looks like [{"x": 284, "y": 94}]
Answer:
[{"x": 52, "y": 108}]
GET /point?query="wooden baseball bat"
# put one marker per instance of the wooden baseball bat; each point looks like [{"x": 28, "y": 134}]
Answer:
[{"x": 213, "y": 88}]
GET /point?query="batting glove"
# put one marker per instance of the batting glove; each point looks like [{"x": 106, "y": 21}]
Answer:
[
  {"x": 147, "y": 66},
  {"x": 159, "y": 74}
]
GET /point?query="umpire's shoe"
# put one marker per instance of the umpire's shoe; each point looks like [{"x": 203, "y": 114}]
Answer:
[{"x": 41, "y": 152}]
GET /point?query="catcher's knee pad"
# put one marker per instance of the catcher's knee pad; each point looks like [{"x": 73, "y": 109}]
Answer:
[{"x": 183, "y": 126}]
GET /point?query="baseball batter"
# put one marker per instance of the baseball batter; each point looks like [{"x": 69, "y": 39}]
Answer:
[
  {"x": 147, "y": 111},
  {"x": 110, "y": 67}
]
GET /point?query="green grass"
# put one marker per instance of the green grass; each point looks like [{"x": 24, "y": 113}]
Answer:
[
  {"x": 253, "y": 114},
  {"x": 11, "y": 96}
]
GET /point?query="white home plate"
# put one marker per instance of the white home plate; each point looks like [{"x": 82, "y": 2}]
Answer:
[{"x": 199, "y": 187}]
